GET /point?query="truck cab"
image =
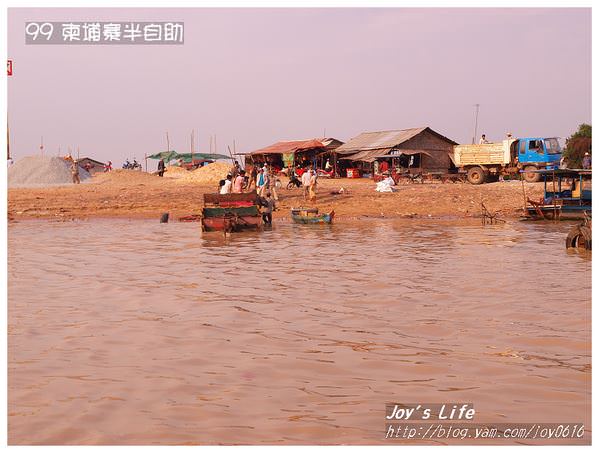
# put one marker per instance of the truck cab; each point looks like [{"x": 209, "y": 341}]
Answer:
[{"x": 536, "y": 153}]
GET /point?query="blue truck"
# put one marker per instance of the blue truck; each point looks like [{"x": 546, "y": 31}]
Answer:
[{"x": 486, "y": 162}]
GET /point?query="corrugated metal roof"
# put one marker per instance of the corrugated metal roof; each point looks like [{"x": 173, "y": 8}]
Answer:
[
  {"x": 289, "y": 147},
  {"x": 327, "y": 141},
  {"x": 90, "y": 159},
  {"x": 372, "y": 155},
  {"x": 382, "y": 140}
]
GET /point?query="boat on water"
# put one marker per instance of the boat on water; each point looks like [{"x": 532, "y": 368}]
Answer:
[
  {"x": 311, "y": 216},
  {"x": 567, "y": 194},
  {"x": 231, "y": 212}
]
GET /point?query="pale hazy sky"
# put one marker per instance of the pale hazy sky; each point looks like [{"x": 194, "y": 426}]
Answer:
[{"x": 258, "y": 76}]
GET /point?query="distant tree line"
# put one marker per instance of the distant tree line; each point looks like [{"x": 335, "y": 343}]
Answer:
[{"x": 577, "y": 144}]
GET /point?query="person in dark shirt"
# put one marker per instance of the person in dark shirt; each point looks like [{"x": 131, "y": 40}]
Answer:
[{"x": 269, "y": 206}]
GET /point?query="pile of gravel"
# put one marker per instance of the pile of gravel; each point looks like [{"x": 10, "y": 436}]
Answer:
[{"x": 36, "y": 171}]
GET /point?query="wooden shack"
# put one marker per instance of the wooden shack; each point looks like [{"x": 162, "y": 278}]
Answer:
[
  {"x": 296, "y": 153},
  {"x": 418, "y": 150},
  {"x": 91, "y": 165}
]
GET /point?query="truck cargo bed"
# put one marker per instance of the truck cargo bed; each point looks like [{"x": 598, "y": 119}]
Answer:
[{"x": 487, "y": 154}]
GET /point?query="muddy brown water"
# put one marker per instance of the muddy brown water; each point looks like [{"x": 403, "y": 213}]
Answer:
[{"x": 133, "y": 332}]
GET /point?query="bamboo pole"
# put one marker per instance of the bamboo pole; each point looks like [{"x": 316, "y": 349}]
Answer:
[
  {"x": 191, "y": 147},
  {"x": 553, "y": 198},
  {"x": 523, "y": 192}
]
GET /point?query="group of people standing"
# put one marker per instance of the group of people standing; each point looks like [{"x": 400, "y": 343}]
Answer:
[
  {"x": 262, "y": 179},
  {"x": 238, "y": 182}
]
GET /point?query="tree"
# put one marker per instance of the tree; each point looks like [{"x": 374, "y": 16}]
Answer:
[{"x": 577, "y": 144}]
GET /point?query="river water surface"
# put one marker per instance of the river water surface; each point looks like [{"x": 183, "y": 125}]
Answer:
[{"x": 134, "y": 332}]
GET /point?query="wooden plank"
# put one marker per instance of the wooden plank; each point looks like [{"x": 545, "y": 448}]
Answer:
[{"x": 217, "y": 199}]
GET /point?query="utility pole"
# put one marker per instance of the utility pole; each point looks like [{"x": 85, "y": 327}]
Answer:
[
  {"x": 477, "y": 106},
  {"x": 168, "y": 143}
]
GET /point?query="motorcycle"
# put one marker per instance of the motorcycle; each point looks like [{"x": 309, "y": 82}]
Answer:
[
  {"x": 132, "y": 166},
  {"x": 294, "y": 181}
]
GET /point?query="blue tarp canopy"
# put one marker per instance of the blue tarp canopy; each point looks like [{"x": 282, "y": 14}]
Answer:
[{"x": 186, "y": 157}]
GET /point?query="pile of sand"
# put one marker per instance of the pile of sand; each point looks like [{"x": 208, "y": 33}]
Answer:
[
  {"x": 39, "y": 171},
  {"x": 208, "y": 174},
  {"x": 125, "y": 177},
  {"x": 175, "y": 172}
]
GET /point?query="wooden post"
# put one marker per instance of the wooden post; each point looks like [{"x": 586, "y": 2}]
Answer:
[
  {"x": 523, "y": 192},
  {"x": 191, "y": 148},
  {"x": 553, "y": 198},
  {"x": 168, "y": 143}
]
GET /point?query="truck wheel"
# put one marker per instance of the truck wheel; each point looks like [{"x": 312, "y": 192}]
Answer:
[
  {"x": 476, "y": 175},
  {"x": 531, "y": 177}
]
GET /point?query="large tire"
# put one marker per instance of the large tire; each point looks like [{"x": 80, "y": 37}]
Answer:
[
  {"x": 531, "y": 177},
  {"x": 580, "y": 237},
  {"x": 476, "y": 175}
]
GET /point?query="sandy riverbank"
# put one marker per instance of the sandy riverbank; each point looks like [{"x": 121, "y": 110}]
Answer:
[{"x": 128, "y": 194}]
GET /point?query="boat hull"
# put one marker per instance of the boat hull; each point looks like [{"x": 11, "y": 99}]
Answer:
[
  {"x": 231, "y": 219},
  {"x": 224, "y": 223},
  {"x": 559, "y": 213},
  {"x": 316, "y": 219}
]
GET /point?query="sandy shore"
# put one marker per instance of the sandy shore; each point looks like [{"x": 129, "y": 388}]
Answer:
[{"x": 139, "y": 195}]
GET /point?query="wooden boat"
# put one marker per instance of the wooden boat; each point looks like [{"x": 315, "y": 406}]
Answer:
[
  {"x": 311, "y": 216},
  {"x": 567, "y": 195},
  {"x": 231, "y": 212}
]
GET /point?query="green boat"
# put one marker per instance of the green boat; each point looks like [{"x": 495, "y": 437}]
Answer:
[{"x": 311, "y": 216}]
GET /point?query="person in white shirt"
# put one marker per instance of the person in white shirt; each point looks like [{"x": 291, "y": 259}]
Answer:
[
  {"x": 306, "y": 180},
  {"x": 226, "y": 187},
  {"x": 483, "y": 140}
]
